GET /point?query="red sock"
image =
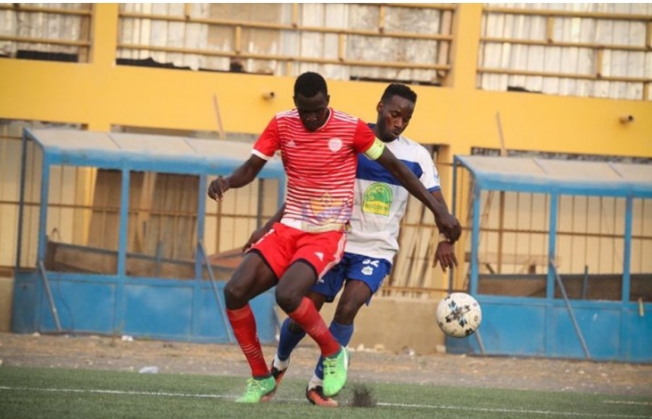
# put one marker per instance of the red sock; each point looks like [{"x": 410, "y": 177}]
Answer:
[
  {"x": 307, "y": 316},
  {"x": 244, "y": 328}
]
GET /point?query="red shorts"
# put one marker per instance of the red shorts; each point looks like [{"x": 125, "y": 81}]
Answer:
[{"x": 284, "y": 245}]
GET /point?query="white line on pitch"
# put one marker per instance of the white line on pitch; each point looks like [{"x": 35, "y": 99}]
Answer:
[
  {"x": 628, "y": 402},
  {"x": 524, "y": 411},
  {"x": 118, "y": 392},
  {"x": 418, "y": 406}
]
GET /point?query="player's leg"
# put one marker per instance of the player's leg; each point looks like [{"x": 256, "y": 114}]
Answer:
[
  {"x": 354, "y": 296},
  {"x": 291, "y": 296},
  {"x": 291, "y": 333},
  {"x": 290, "y": 336},
  {"x": 250, "y": 279},
  {"x": 315, "y": 255},
  {"x": 254, "y": 275},
  {"x": 365, "y": 276},
  {"x": 323, "y": 291}
]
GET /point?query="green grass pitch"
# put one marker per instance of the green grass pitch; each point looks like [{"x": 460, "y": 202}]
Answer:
[{"x": 92, "y": 394}]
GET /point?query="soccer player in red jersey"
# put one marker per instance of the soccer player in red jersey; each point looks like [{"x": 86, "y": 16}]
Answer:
[{"x": 319, "y": 147}]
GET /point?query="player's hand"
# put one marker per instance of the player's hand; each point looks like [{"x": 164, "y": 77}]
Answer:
[
  {"x": 217, "y": 188},
  {"x": 445, "y": 256},
  {"x": 255, "y": 236},
  {"x": 449, "y": 227}
]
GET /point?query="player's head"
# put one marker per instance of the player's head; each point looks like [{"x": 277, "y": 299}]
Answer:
[
  {"x": 311, "y": 99},
  {"x": 394, "y": 111}
]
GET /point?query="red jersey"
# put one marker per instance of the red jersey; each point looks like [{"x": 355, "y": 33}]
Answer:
[{"x": 320, "y": 166}]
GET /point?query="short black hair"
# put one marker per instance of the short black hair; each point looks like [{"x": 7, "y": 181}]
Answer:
[
  {"x": 309, "y": 84},
  {"x": 397, "y": 89}
]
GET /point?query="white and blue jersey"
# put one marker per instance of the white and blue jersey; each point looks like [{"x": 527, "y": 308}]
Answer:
[
  {"x": 380, "y": 200},
  {"x": 379, "y": 204}
]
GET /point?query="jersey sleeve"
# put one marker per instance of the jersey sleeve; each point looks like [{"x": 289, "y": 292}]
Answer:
[
  {"x": 365, "y": 141},
  {"x": 268, "y": 142},
  {"x": 430, "y": 176}
]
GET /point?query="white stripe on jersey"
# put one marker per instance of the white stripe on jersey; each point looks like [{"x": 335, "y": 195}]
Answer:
[
  {"x": 345, "y": 117},
  {"x": 320, "y": 167}
]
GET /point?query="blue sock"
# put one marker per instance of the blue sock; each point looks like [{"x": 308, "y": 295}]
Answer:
[
  {"x": 342, "y": 333},
  {"x": 288, "y": 340}
]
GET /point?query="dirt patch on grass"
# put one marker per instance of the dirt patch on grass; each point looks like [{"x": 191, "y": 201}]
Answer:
[{"x": 107, "y": 353}]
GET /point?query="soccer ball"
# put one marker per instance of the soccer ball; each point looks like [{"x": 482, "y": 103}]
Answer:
[{"x": 459, "y": 315}]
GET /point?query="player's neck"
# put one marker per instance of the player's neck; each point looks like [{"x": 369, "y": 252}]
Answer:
[
  {"x": 328, "y": 118},
  {"x": 374, "y": 128}
]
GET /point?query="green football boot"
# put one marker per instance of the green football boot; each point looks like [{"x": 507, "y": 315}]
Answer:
[{"x": 258, "y": 390}]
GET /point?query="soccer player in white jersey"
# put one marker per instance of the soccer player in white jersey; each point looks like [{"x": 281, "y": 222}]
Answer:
[
  {"x": 319, "y": 148},
  {"x": 372, "y": 241}
]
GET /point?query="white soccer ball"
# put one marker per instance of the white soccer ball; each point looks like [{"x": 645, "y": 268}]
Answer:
[{"x": 459, "y": 315}]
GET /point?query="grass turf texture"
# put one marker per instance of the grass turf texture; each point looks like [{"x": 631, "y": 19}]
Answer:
[{"x": 92, "y": 394}]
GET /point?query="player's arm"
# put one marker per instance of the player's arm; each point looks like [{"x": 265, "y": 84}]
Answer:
[
  {"x": 259, "y": 233},
  {"x": 264, "y": 149},
  {"x": 447, "y": 224},
  {"x": 440, "y": 198},
  {"x": 445, "y": 252},
  {"x": 240, "y": 177}
]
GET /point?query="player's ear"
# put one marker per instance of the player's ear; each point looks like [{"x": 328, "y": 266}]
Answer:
[
  {"x": 328, "y": 99},
  {"x": 379, "y": 107},
  {"x": 294, "y": 99}
]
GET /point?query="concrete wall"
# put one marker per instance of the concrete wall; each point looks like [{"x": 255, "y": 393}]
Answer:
[
  {"x": 399, "y": 325},
  {"x": 6, "y": 296},
  {"x": 394, "y": 324}
]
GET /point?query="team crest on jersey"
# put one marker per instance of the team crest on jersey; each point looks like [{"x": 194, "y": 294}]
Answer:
[
  {"x": 377, "y": 199},
  {"x": 335, "y": 144}
]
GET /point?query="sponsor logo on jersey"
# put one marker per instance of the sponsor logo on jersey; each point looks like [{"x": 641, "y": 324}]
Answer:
[
  {"x": 326, "y": 209},
  {"x": 377, "y": 199}
]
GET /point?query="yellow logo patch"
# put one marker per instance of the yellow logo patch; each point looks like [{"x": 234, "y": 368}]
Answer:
[{"x": 377, "y": 199}]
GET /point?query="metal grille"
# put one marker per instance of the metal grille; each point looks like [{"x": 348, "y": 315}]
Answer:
[
  {"x": 514, "y": 233},
  {"x": 341, "y": 41},
  {"x": 10, "y": 173},
  {"x": 594, "y": 50},
  {"x": 83, "y": 215},
  {"x": 47, "y": 31}
]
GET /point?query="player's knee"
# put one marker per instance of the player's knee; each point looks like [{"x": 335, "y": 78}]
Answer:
[
  {"x": 346, "y": 311},
  {"x": 230, "y": 295},
  {"x": 235, "y": 296},
  {"x": 287, "y": 299}
]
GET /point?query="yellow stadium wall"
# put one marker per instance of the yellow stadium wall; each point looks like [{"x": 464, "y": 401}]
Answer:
[{"x": 100, "y": 94}]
